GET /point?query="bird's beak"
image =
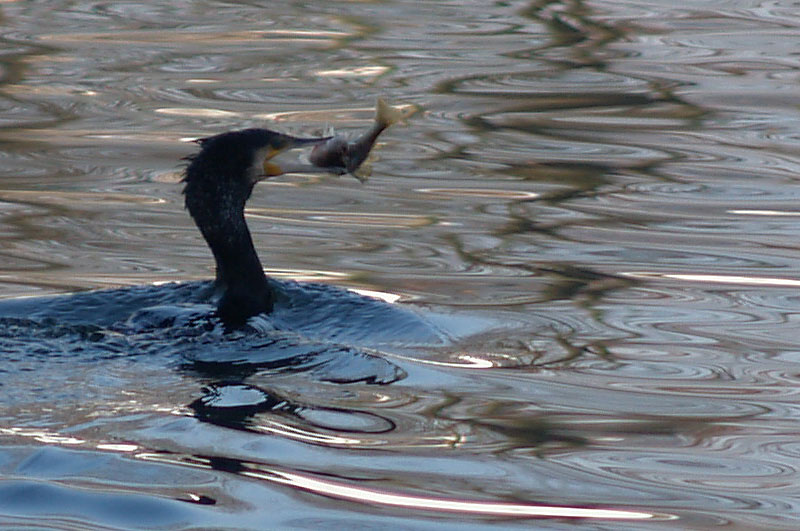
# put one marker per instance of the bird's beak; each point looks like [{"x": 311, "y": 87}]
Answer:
[{"x": 272, "y": 169}]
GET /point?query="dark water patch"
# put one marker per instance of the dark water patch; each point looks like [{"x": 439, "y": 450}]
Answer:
[{"x": 314, "y": 328}]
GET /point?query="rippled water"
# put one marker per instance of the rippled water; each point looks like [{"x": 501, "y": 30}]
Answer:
[{"x": 595, "y": 202}]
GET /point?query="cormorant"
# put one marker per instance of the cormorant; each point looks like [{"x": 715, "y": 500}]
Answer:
[{"x": 218, "y": 181}]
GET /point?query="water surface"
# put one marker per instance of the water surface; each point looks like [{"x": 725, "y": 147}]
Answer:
[{"x": 595, "y": 203}]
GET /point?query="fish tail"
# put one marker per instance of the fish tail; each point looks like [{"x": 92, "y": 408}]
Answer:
[{"x": 386, "y": 115}]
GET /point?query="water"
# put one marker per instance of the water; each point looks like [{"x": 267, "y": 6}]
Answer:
[{"x": 593, "y": 208}]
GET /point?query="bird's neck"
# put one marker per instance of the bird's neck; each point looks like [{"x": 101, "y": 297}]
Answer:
[
  {"x": 244, "y": 288},
  {"x": 235, "y": 254}
]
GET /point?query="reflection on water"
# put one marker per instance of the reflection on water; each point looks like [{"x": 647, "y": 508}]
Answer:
[{"x": 596, "y": 199}]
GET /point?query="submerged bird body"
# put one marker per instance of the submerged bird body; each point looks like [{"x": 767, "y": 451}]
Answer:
[{"x": 218, "y": 182}]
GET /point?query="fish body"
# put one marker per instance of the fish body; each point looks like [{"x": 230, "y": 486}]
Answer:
[
  {"x": 331, "y": 154},
  {"x": 341, "y": 156}
]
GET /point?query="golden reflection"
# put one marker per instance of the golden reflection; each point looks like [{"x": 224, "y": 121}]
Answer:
[
  {"x": 332, "y": 115},
  {"x": 478, "y": 192},
  {"x": 330, "y": 218},
  {"x": 196, "y": 112},
  {"x": 89, "y": 137},
  {"x": 343, "y": 491},
  {"x": 167, "y": 177},
  {"x": 62, "y": 198},
  {"x": 219, "y": 38},
  {"x": 45, "y": 90},
  {"x": 763, "y": 212},
  {"x": 718, "y": 279},
  {"x": 362, "y": 71},
  {"x": 307, "y": 274}
]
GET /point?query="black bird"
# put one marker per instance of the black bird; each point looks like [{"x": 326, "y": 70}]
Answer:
[{"x": 218, "y": 181}]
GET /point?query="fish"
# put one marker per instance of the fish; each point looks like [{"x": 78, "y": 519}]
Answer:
[{"x": 338, "y": 155}]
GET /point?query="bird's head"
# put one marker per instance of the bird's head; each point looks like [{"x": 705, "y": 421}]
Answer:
[{"x": 230, "y": 164}]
